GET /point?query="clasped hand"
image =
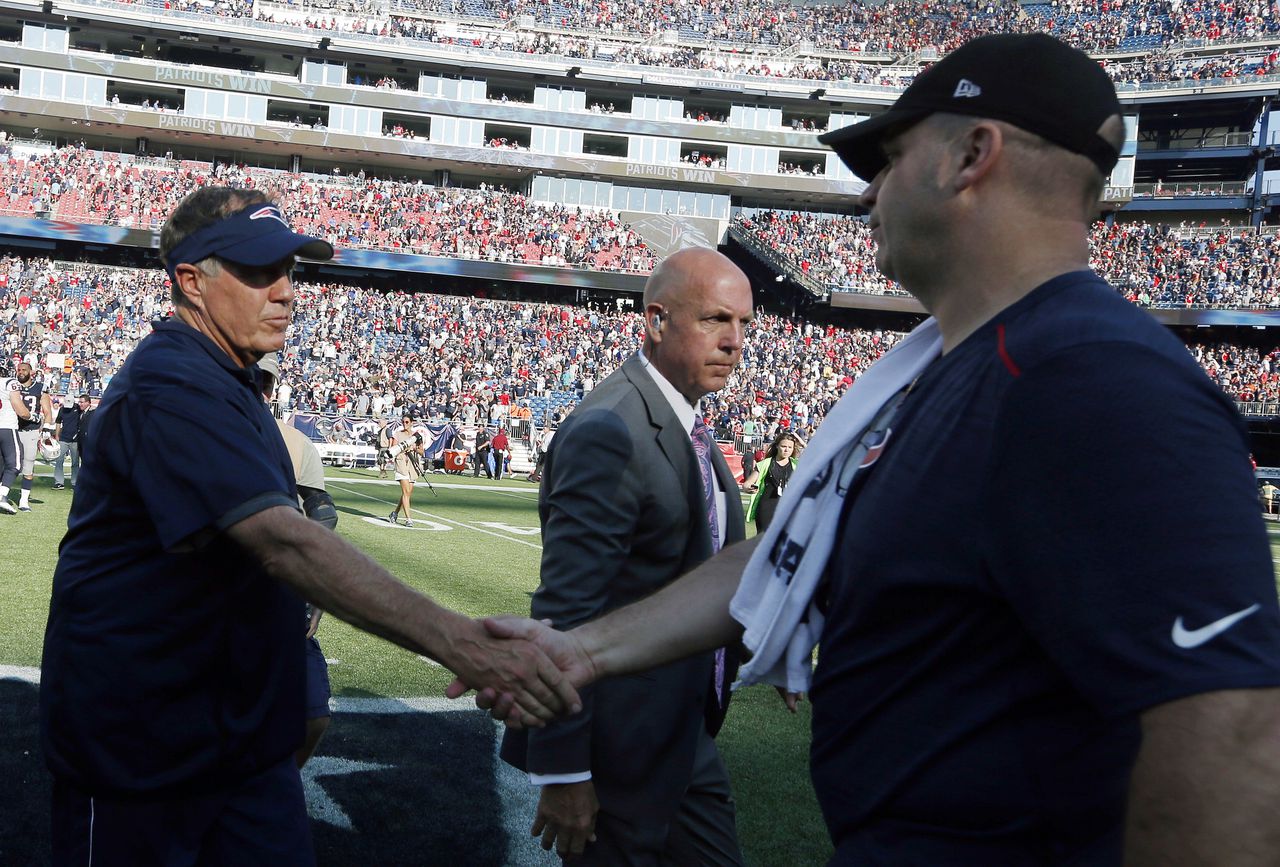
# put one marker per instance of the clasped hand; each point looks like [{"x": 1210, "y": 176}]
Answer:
[{"x": 561, "y": 665}]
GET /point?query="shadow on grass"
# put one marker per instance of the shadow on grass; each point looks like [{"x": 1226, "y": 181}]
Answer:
[
  {"x": 24, "y": 798},
  {"x": 383, "y": 788}
]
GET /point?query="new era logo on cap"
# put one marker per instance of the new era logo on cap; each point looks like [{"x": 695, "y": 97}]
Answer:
[{"x": 1059, "y": 93}]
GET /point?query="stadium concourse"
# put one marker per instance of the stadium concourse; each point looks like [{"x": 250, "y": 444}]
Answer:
[{"x": 469, "y": 360}]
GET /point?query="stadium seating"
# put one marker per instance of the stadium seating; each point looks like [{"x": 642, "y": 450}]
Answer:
[
  {"x": 1153, "y": 265},
  {"x": 716, "y": 34},
  {"x": 455, "y": 358},
  {"x": 85, "y": 186}
]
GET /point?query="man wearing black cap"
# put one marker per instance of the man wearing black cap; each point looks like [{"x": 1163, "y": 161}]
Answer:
[
  {"x": 172, "y": 692},
  {"x": 1006, "y": 679}
]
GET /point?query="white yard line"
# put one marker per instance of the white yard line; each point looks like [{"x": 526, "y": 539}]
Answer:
[
  {"x": 20, "y": 672},
  {"x": 441, "y": 518}
]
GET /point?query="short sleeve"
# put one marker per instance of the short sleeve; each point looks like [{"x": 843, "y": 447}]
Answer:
[
  {"x": 1125, "y": 530},
  {"x": 312, "y": 474},
  {"x": 203, "y": 464}
]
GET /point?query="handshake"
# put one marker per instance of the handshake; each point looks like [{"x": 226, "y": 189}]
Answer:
[{"x": 525, "y": 672}]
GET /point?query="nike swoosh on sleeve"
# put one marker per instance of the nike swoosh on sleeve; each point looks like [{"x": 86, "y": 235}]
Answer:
[{"x": 1191, "y": 638}]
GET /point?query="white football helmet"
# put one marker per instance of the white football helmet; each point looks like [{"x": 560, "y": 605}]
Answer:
[{"x": 49, "y": 448}]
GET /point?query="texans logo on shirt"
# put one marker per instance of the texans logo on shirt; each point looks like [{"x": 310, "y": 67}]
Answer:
[{"x": 874, "y": 452}]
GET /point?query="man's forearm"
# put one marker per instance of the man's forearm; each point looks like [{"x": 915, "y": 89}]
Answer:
[
  {"x": 688, "y": 616},
  {"x": 339, "y": 578},
  {"x": 1205, "y": 789},
  {"x": 334, "y": 575}
]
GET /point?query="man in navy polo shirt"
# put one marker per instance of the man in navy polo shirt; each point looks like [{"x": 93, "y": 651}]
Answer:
[
  {"x": 68, "y": 433},
  {"x": 172, "y": 684},
  {"x": 1006, "y": 678}
]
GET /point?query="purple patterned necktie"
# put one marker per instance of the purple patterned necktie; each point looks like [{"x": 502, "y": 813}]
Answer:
[{"x": 702, "y": 446}]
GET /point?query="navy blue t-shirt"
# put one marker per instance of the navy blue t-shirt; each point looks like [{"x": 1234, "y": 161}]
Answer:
[
  {"x": 171, "y": 660},
  {"x": 1056, "y": 493},
  {"x": 69, "y": 418}
]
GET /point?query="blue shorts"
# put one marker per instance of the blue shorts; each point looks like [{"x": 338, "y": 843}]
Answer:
[
  {"x": 317, "y": 681},
  {"x": 259, "y": 822}
]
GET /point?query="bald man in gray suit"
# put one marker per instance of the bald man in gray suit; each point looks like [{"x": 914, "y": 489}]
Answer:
[{"x": 636, "y": 779}]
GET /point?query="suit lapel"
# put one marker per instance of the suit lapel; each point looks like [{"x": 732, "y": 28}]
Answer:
[
  {"x": 674, "y": 442},
  {"x": 672, "y": 439}
]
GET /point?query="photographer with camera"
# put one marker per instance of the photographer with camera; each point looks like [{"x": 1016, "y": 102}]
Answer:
[{"x": 406, "y": 450}]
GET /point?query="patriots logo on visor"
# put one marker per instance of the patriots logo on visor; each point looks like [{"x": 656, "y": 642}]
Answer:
[{"x": 269, "y": 213}]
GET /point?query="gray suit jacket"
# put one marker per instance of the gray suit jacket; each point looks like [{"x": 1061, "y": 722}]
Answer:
[{"x": 623, "y": 515}]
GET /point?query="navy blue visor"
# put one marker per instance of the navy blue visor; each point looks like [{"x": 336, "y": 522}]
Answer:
[{"x": 258, "y": 235}]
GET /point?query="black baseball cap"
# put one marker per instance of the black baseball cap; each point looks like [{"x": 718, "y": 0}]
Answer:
[{"x": 1032, "y": 81}]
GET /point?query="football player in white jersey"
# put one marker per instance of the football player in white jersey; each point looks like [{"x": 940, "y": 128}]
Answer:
[
  {"x": 11, "y": 410},
  {"x": 40, "y": 415}
]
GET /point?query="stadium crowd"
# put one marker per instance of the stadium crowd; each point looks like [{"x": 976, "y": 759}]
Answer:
[
  {"x": 365, "y": 352},
  {"x": 871, "y": 30},
  {"x": 1245, "y": 373},
  {"x": 1160, "y": 266},
  {"x": 832, "y": 251},
  {"x": 884, "y": 28},
  {"x": 1153, "y": 265},
  {"x": 470, "y": 360},
  {"x": 79, "y": 185},
  {"x": 1165, "y": 66},
  {"x": 732, "y": 38}
]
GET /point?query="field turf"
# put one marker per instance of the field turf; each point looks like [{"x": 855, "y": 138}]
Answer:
[{"x": 403, "y": 776}]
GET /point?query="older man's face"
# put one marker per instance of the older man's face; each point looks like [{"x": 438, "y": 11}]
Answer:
[
  {"x": 702, "y": 335},
  {"x": 248, "y": 309}
]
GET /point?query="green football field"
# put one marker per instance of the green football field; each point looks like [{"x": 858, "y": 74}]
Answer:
[{"x": 475, "y": 547}]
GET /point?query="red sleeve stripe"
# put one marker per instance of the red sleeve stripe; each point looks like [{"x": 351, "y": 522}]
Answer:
[{"x": 1004, "y": 353}]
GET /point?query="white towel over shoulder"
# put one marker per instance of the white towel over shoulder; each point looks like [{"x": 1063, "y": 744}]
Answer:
[{"x": 775, "y": 600}]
